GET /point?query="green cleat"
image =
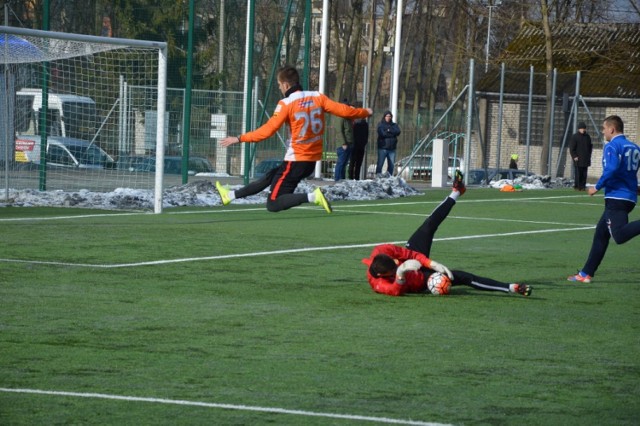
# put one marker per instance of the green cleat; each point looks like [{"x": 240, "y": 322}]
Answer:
[
  {"x": 224, "y": 193},
  {"x": 322, "y": 201}
]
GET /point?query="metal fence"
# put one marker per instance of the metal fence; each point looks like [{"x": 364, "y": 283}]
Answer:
[{"x": 511, "y": 120}]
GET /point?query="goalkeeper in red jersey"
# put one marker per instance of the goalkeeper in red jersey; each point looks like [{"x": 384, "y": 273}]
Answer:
[{"x": 395, "y": 270}]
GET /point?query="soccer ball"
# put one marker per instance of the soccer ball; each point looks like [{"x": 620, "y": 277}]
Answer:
[{"x": 438, "y": 284}]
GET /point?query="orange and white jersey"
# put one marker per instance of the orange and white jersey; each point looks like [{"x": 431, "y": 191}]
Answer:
[{"x": 303, "y": 112}]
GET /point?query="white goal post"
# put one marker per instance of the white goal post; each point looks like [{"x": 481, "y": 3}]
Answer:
[{"x": 68, "y": 119}]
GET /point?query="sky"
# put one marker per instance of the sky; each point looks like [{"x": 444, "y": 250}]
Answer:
[{"x": 623, "y": 11}]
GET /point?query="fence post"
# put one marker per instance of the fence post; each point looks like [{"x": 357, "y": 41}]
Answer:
[{"x": 439, "y": 162}]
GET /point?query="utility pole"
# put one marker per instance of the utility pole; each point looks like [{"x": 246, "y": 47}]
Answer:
[
  {"x": 486, "y": 58},
  {"x": 221, "y": 41},
  {"x": 396, "y": 60}
]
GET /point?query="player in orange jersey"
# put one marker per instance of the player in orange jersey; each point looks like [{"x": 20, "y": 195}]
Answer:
[{"x": 303, "y": 113}]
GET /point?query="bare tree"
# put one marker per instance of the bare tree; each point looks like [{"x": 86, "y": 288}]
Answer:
[
  {"x": 379, "y": 57},
  {"x": 411, "y": 54},
  {"x": 635, "y": 6},
  {"x": 343, "y": 19}
]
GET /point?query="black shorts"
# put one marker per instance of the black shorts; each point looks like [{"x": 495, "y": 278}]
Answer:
[{"x": 286, "y": 178}]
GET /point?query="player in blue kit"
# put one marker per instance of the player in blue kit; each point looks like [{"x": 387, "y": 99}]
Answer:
[{"x": 620, "y": 163}]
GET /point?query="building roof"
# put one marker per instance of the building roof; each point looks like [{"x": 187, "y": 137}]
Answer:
[{"x": 607, "y": 56}]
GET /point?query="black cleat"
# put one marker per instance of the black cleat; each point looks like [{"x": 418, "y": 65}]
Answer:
[{"x": 458, "y": 182}]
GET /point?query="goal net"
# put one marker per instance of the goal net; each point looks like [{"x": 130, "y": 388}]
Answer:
[{"x": 69, "y": 120}]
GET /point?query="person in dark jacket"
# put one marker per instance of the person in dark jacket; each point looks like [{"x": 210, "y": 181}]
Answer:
[
  {"x": 388, "y": 132},
  {"x": 360, "y": 141},
  {"x": 513, "y": 164},
  {"x": 344, "y": 151},
  {"x": 580, "y": 148}
]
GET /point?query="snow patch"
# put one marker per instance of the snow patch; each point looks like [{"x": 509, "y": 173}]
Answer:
[{"x": 203, "y": 193}]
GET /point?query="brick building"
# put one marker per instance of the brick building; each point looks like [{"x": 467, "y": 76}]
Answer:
[{"x": 597, "y": 67}]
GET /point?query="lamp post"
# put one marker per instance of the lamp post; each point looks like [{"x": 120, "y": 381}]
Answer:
[
  {"x": 486, "y": 59},
  {"x": 389, "y": 51}
]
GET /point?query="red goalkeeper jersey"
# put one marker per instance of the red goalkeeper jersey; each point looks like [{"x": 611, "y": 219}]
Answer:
[{"x": 415, "y": 281}]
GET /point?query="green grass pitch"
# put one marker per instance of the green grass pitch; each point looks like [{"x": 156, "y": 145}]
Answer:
[{"x": 236, "y": 316}]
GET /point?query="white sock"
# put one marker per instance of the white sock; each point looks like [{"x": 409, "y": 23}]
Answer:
[
  {"x": 454, "y": 195},
  {"x": 311, "y": 197},
  {"x": 512, "y": 288},
  {"x": 232, "y": 195}
]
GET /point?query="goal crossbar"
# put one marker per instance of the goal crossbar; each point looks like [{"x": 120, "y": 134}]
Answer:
[
  {"x": 108, "y": 42},
  {"x": 76, "y": 45}
]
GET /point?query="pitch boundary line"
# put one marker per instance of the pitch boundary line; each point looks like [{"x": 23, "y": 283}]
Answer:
[
  {"x": 262, "y": 208},
  {"x": 86, "y": 216},
  {"x": 273, "y": 410},
  {"x": 465, "y": 201},
  {"x": 276, "y": 252},
  {"x": 486, "y": 219}
]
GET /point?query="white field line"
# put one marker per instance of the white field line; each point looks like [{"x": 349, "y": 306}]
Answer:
[
  {"x": 487, "y": 219},
  {"x": 84, "y": 216},
  {"x": 278, "y": 252},
  {"x": 567, "y": 203},
  {"x": 81, "y": 216},
  {"x": 531, "y": 222},
  {"x": 231, "y": 210},
  {"x": 464, "y": 200},
  {"x": 274, "y": 410}
]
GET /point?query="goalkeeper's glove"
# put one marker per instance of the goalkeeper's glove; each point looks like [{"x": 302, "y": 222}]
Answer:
[
  {"x": 408, "y": 265},
  {"x": 438, "y": 267}
]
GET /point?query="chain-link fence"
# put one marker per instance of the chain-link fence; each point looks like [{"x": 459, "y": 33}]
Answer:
[{"x": 512, "y": 112}]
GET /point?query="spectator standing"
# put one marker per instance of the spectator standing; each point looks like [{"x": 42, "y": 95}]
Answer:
[
  {"x": 580, "y": 148},
  {"x": 513, "y": 164},
  {"x": 106, "y": 31},
  {"x": 620, "y": 163},
  {"x": 344, "y": 151},
  {"x": 388, "y": 133},
  {"x": 360, "y": 141}
]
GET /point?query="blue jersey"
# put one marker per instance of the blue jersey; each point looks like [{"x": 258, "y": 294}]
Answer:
[{"x": 620, "y": 163}]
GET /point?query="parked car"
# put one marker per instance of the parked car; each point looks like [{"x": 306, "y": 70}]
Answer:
[
  {"x": 419, "y": 167},
  {"x": 63, "y": 152},
  {"x": 197, "y": 165},
  {"x": 483, "y": 177},
  {"x": 141, "y": 164},
  {"x": 172, "y": 165},
  {"x": 265, "y": 165}
]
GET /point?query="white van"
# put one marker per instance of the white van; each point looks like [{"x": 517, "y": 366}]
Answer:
[{"x": 69, "y": 116}]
